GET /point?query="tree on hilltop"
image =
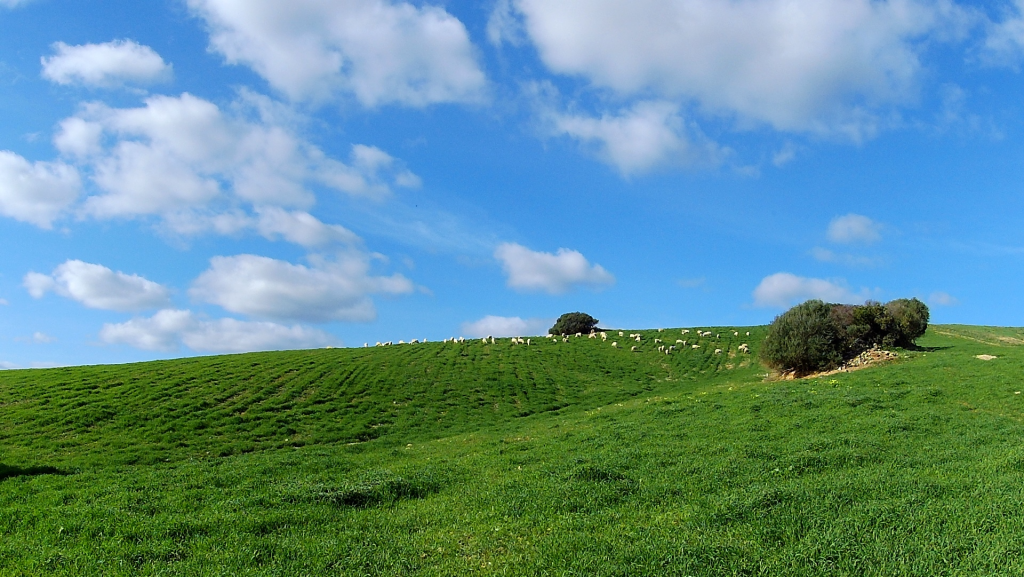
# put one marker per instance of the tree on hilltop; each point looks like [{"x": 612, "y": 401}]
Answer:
[{"x": 572, "y": 323}]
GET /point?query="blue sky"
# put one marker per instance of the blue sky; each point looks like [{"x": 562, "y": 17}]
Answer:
[{"x": 186, "y": 177}]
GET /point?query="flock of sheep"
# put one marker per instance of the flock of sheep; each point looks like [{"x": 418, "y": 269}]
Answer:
[{"x": 603, "y": 335}]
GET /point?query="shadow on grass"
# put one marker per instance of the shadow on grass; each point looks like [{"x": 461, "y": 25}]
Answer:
[
  {"x": 921, "y": 349},
  {"x": 7, "y": 471}
]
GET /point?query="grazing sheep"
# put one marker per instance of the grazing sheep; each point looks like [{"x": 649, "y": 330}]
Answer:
[
  {"x": 620, "y": 333},
  {"x": 401, "y": 342},
  {"x": 521, "y": 341},
  {"x": 735, "y": 333},
  {"x": 637, "y": 338},
  {"x": 462, "y": 340},
  {"x": 604, "y": 335},
  {"x": 413, "y": 341},
  {"x": 378, "y": 344},
  {"x": 656, "y": 341},
  {"x": 578, "y": 335},
  {"x": 678, "y": 341},
  {"x": 686, "y": 331},
  {"x": 633, "y": 349},
  {"x": 672, "y": 348},
  {"x": 591, "y": 336},
  {"x": 748, "y": 333},
  {"x": 615, "y": 344},
  {"x": 565, "y": 339},
  {"x": 695, "y": 347},
  {"x": 661, "y": 348},
  {"x": 668, "y": 352},
  {"x": 661, "y": 330},
  {"x": 718, "y": 351}
]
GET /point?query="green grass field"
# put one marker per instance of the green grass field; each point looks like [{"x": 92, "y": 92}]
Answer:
[{"x": 554, "y": 459}]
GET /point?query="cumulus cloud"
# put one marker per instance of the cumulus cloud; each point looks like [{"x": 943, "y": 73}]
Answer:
[
  {"x": 497, "y": 326},
  {"x": 98, "y": 287},
  {"x": 796, "y": 65},
  {"x": 379, "y": 51},
  {"x": 943, "y": 299},
  {"x": 635, "y": 140},
  {"x": 854, "y": 228},
  {"x": 552, "y": 273},
  {"x": 36, "y": 192},
  {"x": 330, "y": 290},
  {"x": 177, "y": 156},
  {"x": 105, "y": 65},
  {"x": 170, "y": 328},
  {"x": 783, "y": 289}
]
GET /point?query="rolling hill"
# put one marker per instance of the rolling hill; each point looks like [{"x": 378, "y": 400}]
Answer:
[{"x": 567, "y": 458}]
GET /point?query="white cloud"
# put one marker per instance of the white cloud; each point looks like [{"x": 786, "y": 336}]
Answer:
[
  {"x": 1004, "y": 41},
  {"x": 502, "y": 25},
  {"x": 98, "y": 287},
  {"x": 496, "y": 326},
  {"x": 301, "y": 228},
  {"x": 168, "y": 329},
  {"x": 648, "y": 135},
  {"x": 275, "y": 289},
  {"x": 380, "y": 51},
  {"x": 796, "y": 65},
  {"x": 552, "y": 273},
  {"x": 13, "y": 4},
  {"x": 784, "y": 289},
  {"x": 36, "y": 192},
  {"x": 38, "y": 338},
  {"x": 105, "y": 65},
  {"x": 943, "y": 299},
  {"x": 180, "y": 155},
  {"x": 826, "y": 255},
  {"x": 3, "y": 302},
  {"x": 854, "y": 228}
]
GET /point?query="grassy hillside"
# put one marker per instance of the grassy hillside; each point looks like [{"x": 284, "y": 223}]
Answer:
[{"x": 560, "y": 459}]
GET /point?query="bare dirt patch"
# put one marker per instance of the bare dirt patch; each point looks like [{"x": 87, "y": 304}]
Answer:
[{"x": 864, "y": 360}]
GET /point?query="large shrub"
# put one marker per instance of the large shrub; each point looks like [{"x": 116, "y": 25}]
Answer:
[
  {"x": 909, "y": 320},
  {"x": 805, "y": 339},
  {"x": 816, "y": 336},
  {"x": 572, "y": 323}
]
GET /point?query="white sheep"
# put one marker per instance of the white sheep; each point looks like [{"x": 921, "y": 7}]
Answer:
[
  {"x": 661, "y": 330},
  {"x": 378, "y": 344},
  {"x": 401, "y": 342},
  {"x": 528, "y": 343},
  {"x": 656, "y": 341},
  {"x": 637, "y": 338},
  {"x": 661, "y": 348},
  {"x": 678, "y": 341},
  {"x": 620, "y": 333},
  {"x": 686, "y": 331},
  {"x": 578, "y": 335},
  {"x": 633, "y": 349},
  {"x": 591, "y": 336},
  {"x": 718, "y": 351},
  {"x": 735, "y": 333},
  {"x": 748, "y": 333},
  {"x": 615, "y": 344},
  {"x": 695, "y": 346},
  {"x": 414, "y": 341}
]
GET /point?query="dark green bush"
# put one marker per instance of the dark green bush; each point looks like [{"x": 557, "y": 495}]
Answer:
[
  {"x": 909, "y": 320},
  {"x": 572, "y": 323},
  {"x": 816, "y": 336},
  {"x": 805, "y": 339}
]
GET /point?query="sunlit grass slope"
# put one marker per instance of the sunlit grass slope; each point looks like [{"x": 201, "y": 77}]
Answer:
[{"x": 567, "y": 459}]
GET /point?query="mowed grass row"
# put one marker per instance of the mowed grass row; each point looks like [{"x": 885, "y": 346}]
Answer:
[
  {"x": 217, "y": 406},
  {"x": 912, "y": 468}
]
